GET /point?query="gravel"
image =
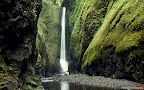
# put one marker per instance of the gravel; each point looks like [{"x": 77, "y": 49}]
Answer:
[{"x": 98, "y": 81}]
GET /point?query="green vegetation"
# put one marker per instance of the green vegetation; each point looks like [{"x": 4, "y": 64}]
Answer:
[
  {"x": 31, "y": 68},
  {"x": 53, "y": 2},
  {"x": 85, "y": 19},
  {"x": 107, "y": 38},
  {"x": 29, "y": 87},
  {"x": 11, "y": 68},
  {"x": 121, "y": 37},
  {"x": 32, "y": 82},
  {"x": 48, "y": 37},
  {"x": 3, "y": 65},
  {"x": 17, "y": 49}
]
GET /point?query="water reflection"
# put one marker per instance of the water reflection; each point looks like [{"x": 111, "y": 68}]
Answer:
[
  {"x": 64, "y": 85},
  {"x": 71, "y": 86}
]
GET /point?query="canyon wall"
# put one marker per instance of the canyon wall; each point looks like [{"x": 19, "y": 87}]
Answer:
[
  {"x": 107, "y": 38},
  {"x": 49, "y": 37},
  {"x": 18, "y": 55}
]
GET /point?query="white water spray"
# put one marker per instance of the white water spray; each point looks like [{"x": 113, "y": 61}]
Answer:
[{"x": 63, "y": 61}]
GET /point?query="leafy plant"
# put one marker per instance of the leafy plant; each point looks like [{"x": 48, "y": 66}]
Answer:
[
  {"x": 1, "y": 74},
  {"x": 11, "y": 68},
  {"x": 32, "y": 82},
  {"x": 29, "y": 87},
  {"x": 31, "y": 68}
]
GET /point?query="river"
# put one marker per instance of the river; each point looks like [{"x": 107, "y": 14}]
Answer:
[
  {"x": 85, "y": 82},
  {"x": 71, "y": 86}
]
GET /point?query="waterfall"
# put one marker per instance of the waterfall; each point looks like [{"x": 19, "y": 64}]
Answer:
[{"x": 63, "y": 61}]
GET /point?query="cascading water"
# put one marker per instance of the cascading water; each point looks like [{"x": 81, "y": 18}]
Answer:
[{"x": 63, "y": 61}]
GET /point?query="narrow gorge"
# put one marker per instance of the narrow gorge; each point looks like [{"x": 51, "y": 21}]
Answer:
[{"x": 90, "y": 39}]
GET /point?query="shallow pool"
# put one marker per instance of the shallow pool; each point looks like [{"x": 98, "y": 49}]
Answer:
[{"x": 71, "y": 86}]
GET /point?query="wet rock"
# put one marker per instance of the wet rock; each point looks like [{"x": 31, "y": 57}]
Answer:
[
  {"x": 98, "y": 81},
  {"x": 18, "y": 29}
]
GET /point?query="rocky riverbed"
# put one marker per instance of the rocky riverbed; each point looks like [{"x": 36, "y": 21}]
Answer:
[{"x": 98, "y": 81}]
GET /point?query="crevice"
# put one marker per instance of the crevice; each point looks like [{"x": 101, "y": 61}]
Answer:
[
  {"x": 117, "y": 13},
  {"x": 133, "y": 20},
  {"x": 117, "y": 21}
]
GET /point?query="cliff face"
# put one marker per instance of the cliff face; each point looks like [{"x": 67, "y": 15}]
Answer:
[
  {"x": 48, "y": 37},
  {"x": 108, "y": 38},
  {"x": 18, "y": 29},
  {"x": 85, "y": 20}
]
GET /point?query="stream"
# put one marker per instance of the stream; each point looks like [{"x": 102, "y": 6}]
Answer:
[
  {"x": 71, "y": 86},
  {"x": 85, "y": 82}
]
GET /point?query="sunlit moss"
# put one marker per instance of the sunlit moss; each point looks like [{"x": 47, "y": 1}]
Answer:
[
  {"x": 130, "y": 40},
  {"x": 85, "y": 20},
  {"x": 120, "y": 29}
]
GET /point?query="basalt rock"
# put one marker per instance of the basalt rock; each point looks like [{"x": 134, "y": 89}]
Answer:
[{"x": 18, "y": 29}]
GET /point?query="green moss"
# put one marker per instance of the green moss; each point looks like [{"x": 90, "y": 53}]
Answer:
[
  {"x": 53, "y": 2},
  {"x": 39, "y": 58},
  {"x": 48, "y": 30},
  {"x": 131, "y": 39},
  {"x": 29, "y": 87},
  {"x": 120, "y": 29},
  {"x": 30, "y": 80},
  {"x": 48, "y": 34},
  {"x": 1, "y": 74},
  {"x": 85, "y": 19},
  {"x": 129, "y": 9},
  {"x": 114, "y": 39},
  {"x": 3, "y": 65},
  {"x": 136, "y": 53},
  {"x": 2, "y": 83},
  {"x": 44, "y": 62},
  {"x": 100, "y": 35}
]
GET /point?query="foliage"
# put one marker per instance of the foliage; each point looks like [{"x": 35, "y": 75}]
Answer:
[
  {"x": 1, "y": 74},
  {"x": 29, "y": 87},
  {"x": 31, "y": 68},
  {"x": 53, "y": 2},
  {"x": 32, "y": 82},
  {"x": 10, "y": 68}
]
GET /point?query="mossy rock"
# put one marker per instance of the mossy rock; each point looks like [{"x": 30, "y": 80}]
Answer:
[
  {"x": 116, "y": 42},
  {"x": 85, "y": 19},
  {"x": 48, "y": 42}
]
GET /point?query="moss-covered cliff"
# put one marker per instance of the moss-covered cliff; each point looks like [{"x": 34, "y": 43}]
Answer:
[
  {"x": 85, "y": 19},
  {"x": 48, "y": 37},
  {"x": 18, "y": 29},
  {"x": 108, "y": 38}
]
